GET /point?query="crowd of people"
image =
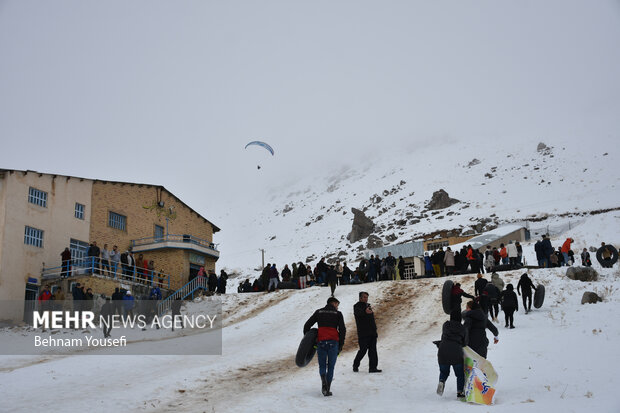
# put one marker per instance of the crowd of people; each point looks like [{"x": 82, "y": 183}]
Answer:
[
  {"x": 300, "y": 276},
  {"x": 113, "y": 263},
  {"x": 471, "y": 260},
  {"x": 438, "y": 263}
]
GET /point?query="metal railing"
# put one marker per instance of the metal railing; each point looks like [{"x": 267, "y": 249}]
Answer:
[
  {"x": 186, "y": 238},
  {"x": 113, "y": 270},
  {"x": 189, "y": 288}
]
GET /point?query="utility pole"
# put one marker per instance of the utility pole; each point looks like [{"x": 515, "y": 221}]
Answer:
[{"x": 263, "y": 258}]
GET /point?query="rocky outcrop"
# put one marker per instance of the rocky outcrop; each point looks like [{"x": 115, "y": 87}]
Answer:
[
  {"x": 590, "y": 297},
  {"x": 441, "y": 200},
  {"x": 374, "y": 242},
  {"x": 362, "y": 226},
  {"x": 582, "y": 273},
  {"x": 543, "y": 149}
]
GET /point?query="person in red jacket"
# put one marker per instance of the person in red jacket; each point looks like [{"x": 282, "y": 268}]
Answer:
[
  {"x": 45, "y": 299},
  {"x": 503, "y": 253},
  {"x": 565, "y": 249},
  {"x": 330, "y": 340}
]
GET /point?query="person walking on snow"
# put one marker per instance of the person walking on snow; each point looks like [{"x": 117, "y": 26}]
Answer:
[
  {"x": 450, "y": 353},
  {"x": 330, "y": 340},
  {"x": 366, "y": 334},
  {"x": 525, "y": 286},
  {"x": 456, "y": 296},
  {"x": 476, "y": 323},
  {"x": 510, "y": 304},
  {"x": 332, "y": 278}
]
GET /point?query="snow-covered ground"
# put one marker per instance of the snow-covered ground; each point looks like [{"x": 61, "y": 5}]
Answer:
[{"x": 559, "y": 358}]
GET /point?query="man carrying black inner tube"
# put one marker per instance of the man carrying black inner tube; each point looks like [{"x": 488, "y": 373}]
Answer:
[{"x": 330, "y": 340}]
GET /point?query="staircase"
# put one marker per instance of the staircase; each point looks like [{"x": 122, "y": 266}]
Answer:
[{"x": 188, "y": 289}]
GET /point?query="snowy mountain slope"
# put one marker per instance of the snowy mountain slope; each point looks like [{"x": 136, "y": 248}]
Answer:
[
  {"x": 508, "y": 181},
  {"x": 556, "y": 359}
]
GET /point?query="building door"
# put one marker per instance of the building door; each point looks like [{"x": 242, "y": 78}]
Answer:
[
  {"x": 78, "y": 252},
  {"x": 193, "y": 271},
  {"x": 30, "y": 302}
]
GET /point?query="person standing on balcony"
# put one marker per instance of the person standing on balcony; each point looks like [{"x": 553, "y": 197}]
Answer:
[
  {"x": 105, "y": 260},
  {"x": 93, "y": 253},
  {"x": 115, "y": 257},
  {"x": 131, "y": 264},
  {"x": 151, "y": 269},
  {"x": 65, "y": 256}
]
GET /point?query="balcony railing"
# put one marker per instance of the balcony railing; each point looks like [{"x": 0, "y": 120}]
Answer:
[
  {"x": 185, "y": 238},
  {"x": 117, "y": 271}
]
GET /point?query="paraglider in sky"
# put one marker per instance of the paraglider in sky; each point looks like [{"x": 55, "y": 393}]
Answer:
[{"x": 261, "y": 144}]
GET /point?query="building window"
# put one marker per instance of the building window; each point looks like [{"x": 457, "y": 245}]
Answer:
[
  {"x": 37, "y": 197},
  {"x": 79, "y": 211},
  {"x": 33, "y": 236},
  {"x": 159, "y": 232},
  {"x": 117, "y": 221},
  {"x": 78, "y": 251},
  {"x": 437, "y": 245}
]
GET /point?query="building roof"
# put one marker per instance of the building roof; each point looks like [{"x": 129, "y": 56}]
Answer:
[
  {"x": 215, "y": 227},
  {"x": 488, "y": 237},
  {"x": 407, "y": 250}
]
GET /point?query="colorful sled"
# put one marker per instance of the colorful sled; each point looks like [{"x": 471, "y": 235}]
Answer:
[{"x": 480, "y": 378}]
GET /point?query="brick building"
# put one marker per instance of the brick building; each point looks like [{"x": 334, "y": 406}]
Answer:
[{"x": 41, "y": 214}]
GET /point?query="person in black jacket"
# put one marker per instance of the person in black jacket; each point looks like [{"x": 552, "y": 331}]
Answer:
[
  {"x": 479, "y": 285},
  {"x": 510, "y": 304},
  {"x": 525, "y": 286},
  {"x": 450, "y": 353},
  {"x": 332, "y": 278},
  {"x": 175, "y": 310},
  {"x": 346, "y": 274},
  {"x": 494, "y": 294},
  {"x": 107, "y": 311},
  {"x": 546, "y": 250},
  {"x": 212, "y": 282},
  {"x": 93, "y": 253},
  {"x": 366, "y": 334},
  {"x": 117, "y": 301},
  {"x": 476, "y": 323},
  {"x": 330, "y": 340}
]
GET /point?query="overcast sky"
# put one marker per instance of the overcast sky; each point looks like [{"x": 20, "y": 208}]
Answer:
[{"x": 169, "y": 92}]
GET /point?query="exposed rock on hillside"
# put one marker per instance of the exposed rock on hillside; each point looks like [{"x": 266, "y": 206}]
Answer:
[
  {"x": 362, "y": 226},
  {"x": 374, "y": 242},
  {"x": 441, "y": 200}
]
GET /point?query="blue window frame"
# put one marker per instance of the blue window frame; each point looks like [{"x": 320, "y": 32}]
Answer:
[
  {"x": 79, "y": 211},
  {"x": 78, "y": 250},
  {"x": 33, "y": 236},
  {"x": 37, "y": 197},
  {"x": 159, "y": 232},
  {"x": 117, "y": 221}
]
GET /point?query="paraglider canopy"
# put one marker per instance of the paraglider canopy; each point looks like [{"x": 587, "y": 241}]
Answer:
[{"x": 259, "y": 143}]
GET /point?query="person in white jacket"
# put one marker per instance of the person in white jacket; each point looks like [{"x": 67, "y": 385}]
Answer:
[{"x": 513, "y": 253}]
